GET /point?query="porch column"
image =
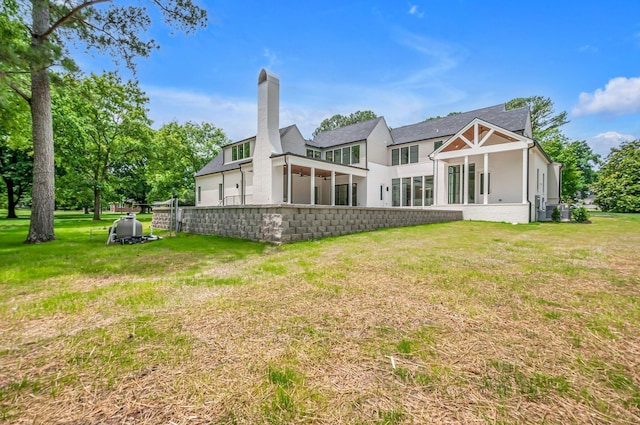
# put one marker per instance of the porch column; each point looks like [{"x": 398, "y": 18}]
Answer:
[
  {"x": 485, "y": 183},
  {"x": 525, "y": 173},
  {"x": 465, "y": 181},
  {"x": 288, "y": 183},
  {"x": 436, "y": 182},
  {"x": 333, "y": 188},
  {"x": 350, "y": 195},
  {"x": 312, "y": 198}
]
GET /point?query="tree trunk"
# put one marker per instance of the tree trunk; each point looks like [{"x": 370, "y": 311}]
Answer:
[
  {"x": 43, "y": 201},
  {"x": 97, "y": 205},
  {"x": 11, "y": 202}
]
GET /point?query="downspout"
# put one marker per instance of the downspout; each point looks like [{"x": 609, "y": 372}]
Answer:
[
  {"x": 528, "y": 174},
  {"x": 222, "y": 172},
  {"x": 241, "y": 185},
  {"x": 286, "y": 179},
  {"x": 560, "y": 183}
]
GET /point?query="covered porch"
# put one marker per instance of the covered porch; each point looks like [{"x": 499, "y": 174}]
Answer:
[
  {"x": 308, "y": 181},
  {"x": 483, "y": 165}
]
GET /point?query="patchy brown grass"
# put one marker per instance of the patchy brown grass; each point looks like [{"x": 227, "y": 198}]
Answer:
[{"x": 457, "y": 323}]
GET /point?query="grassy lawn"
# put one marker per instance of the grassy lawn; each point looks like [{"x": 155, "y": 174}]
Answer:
[{"x": 465, "y": 322}]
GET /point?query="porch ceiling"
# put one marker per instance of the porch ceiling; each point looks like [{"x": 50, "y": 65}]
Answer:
[{"x": 306, "y": 171}]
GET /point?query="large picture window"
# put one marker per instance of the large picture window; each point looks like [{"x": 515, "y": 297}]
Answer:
[
  {"x": 395, "y": 192},
  {"x": 417, "y": 191},
  {"x": 428, "y": 190},
  {"x": 454, "y": 184}
]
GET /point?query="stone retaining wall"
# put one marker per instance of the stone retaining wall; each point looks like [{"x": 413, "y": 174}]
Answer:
[{"x": 290, "y": 223}]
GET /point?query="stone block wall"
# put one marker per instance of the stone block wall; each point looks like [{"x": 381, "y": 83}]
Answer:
[{"x": 290, "y": 223}]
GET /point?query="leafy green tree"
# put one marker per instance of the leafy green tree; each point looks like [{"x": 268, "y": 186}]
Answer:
[
  {"x": 180, "y": 151},
  {"x": 618, "y": 185},
  {"x": 338, "y": 121},
  {"x": 99, "y": 121},
  {"x": 450, "y": 114},
  {"x": 16, "y": 164},
  {"x": 35, "y": 36},
  {"x": 578, "y": 172},
  {"x": 579, "y": 162},
  {"x": 545, "y": 122}
]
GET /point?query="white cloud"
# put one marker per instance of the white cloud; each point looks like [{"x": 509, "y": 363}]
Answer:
[
  {"x": 271, "y": 57},
  {"x": 603, "y": 142},
  {"x": 621, "y": 96},
  {"x": 415, "y": 11},
  {"x": 440, "y": 57},
  {"x": 236, "y": 116},
  {"x": 588, "y": 48}
]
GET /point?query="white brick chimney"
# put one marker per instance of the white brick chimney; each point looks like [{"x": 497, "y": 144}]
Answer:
[{"x": 267, "y": 140}]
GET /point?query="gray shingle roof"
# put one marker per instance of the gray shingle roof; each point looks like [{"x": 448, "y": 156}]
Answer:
[
  {"x": 512, "y": 120},
  {"x": 216, "y": 165},
  {"x": 342, "y": 135}
]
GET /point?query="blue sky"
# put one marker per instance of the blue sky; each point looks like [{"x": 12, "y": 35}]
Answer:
[{"x": 404, "y": 60}]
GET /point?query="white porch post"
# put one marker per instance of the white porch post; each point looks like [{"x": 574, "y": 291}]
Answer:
[
  {"x": 350, "y": 195},
  {"x": 525, "y": 173},
  {"x": 485, "y": 183},
  {"x": 333, "y": 188},
  {"x": 288, "y": 183},
  {"x": 465, "y": 180},
  {"x": 312, "y": 198},
  {"x": 436, "y": 182}
]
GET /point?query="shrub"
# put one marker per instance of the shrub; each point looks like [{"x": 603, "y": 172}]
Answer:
[
  {"x": 555, "y": 215},
  {"x": 580, "y": 214}
]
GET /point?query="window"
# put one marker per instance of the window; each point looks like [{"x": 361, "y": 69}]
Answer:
[
  {"x": 313, "y": 153},
  {"x": 329, "y": 155},
  {"x": 346, "y": 155},
  {"x": 355, "y": 154},
  {"x": 417, "y": 191},
  {"x": 482, "y": 183},
  {"x": 342, "y": 194},
  {"x": 428, "y": 190},
  {"x": 413, "y": 154},
  {"x": 454, "y": 184},
  {"x": 337, "y": 156},
  {"x": 240, "y": 151},
  {"x": 404, "y": 155},
  {"x": 381, "y": 191},
  {"x": 199, "y": 194},
  {"x": 220, "y": 192},
  {"x": 406, "y": 192},
  {"x": 472, "y": 183},
  {"x": 437, "y": 145},
  {"x": 395, "y": 192}
]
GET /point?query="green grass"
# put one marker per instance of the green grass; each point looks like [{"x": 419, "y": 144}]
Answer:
[{"x": 486, "y": 322}]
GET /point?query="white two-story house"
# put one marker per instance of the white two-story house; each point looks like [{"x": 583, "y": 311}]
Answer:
[{"x": 483, "y": 162}]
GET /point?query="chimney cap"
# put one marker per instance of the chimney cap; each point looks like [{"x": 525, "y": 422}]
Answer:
[{"x": 267, "y": 76}]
